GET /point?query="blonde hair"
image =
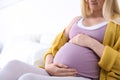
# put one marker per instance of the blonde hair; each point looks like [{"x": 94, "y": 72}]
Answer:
[{"x": 110, "y": 10}]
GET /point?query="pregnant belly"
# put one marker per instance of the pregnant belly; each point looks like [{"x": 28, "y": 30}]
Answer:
[{"x": 82, "y": 59}]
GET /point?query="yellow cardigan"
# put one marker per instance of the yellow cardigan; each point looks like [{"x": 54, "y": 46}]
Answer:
[{"x": 110, "y": 60}]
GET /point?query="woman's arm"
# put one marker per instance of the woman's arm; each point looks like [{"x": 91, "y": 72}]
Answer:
[
  {"x": 97, "y": 47},
  {"x": 86, "y": 41},
  {"x": 49, "y": 59},
  {"x": 110, "y": 63},
  {"x": 109, "y": 57},
  {"x": 109, "y": 54},
  {"x": 67, "y": 29},
  {"x": 56, "y": 68},
  {"x": 60, "y": 39}
]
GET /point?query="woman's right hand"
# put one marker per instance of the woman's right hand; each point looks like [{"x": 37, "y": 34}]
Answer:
[{"x": 56, "y": 69}]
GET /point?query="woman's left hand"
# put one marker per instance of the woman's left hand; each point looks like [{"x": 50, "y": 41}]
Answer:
[{"x": 82, "y": 40}]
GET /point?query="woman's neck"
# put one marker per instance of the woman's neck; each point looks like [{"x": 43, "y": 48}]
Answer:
[
  {"x": 97, "y": 13},
  {"x": 93, "y": 20}
]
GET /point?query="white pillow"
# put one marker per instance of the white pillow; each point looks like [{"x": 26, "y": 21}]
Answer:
[
  {"x": 22, "y": 50},
  {"x": 46, "y": 40},
  {"x": 26, "y": 49},
  {"x": 38, "y": 59}
]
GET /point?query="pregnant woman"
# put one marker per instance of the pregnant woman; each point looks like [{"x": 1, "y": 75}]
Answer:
[
  {"x": 88, "y": 49},
  {"x": 82, "y": 58}
]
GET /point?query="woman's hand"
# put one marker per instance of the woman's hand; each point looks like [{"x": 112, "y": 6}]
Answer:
[
  {"x": 56, "y": 69},
  {"x": 86, "y": 41},
  {"x": 82, "y": 40}
]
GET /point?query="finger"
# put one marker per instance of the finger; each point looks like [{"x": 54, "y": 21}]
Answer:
[
  {"x": 67, "y": 74},
  {"x": 68, "y": 70},
  {"x": 61, "y": 65}
]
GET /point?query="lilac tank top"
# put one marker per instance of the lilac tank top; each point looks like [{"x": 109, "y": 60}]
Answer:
[{"x": 83, "y": 59}]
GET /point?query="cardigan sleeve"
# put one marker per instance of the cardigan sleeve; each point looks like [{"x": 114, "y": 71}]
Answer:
[
  {"x": 110, "y": 61},
  {"x": 58, "y": 42}
]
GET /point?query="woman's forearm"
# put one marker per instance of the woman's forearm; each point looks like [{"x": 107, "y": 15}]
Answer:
[
  {"x": 97, "y": 47},
  {"x": 49, "y": 59}
]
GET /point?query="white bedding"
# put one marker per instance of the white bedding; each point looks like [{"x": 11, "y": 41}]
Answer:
[{"x": 29, "y": 49}]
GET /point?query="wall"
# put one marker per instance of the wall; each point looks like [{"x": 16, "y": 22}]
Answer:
[{"x": 21, "y": 17}]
